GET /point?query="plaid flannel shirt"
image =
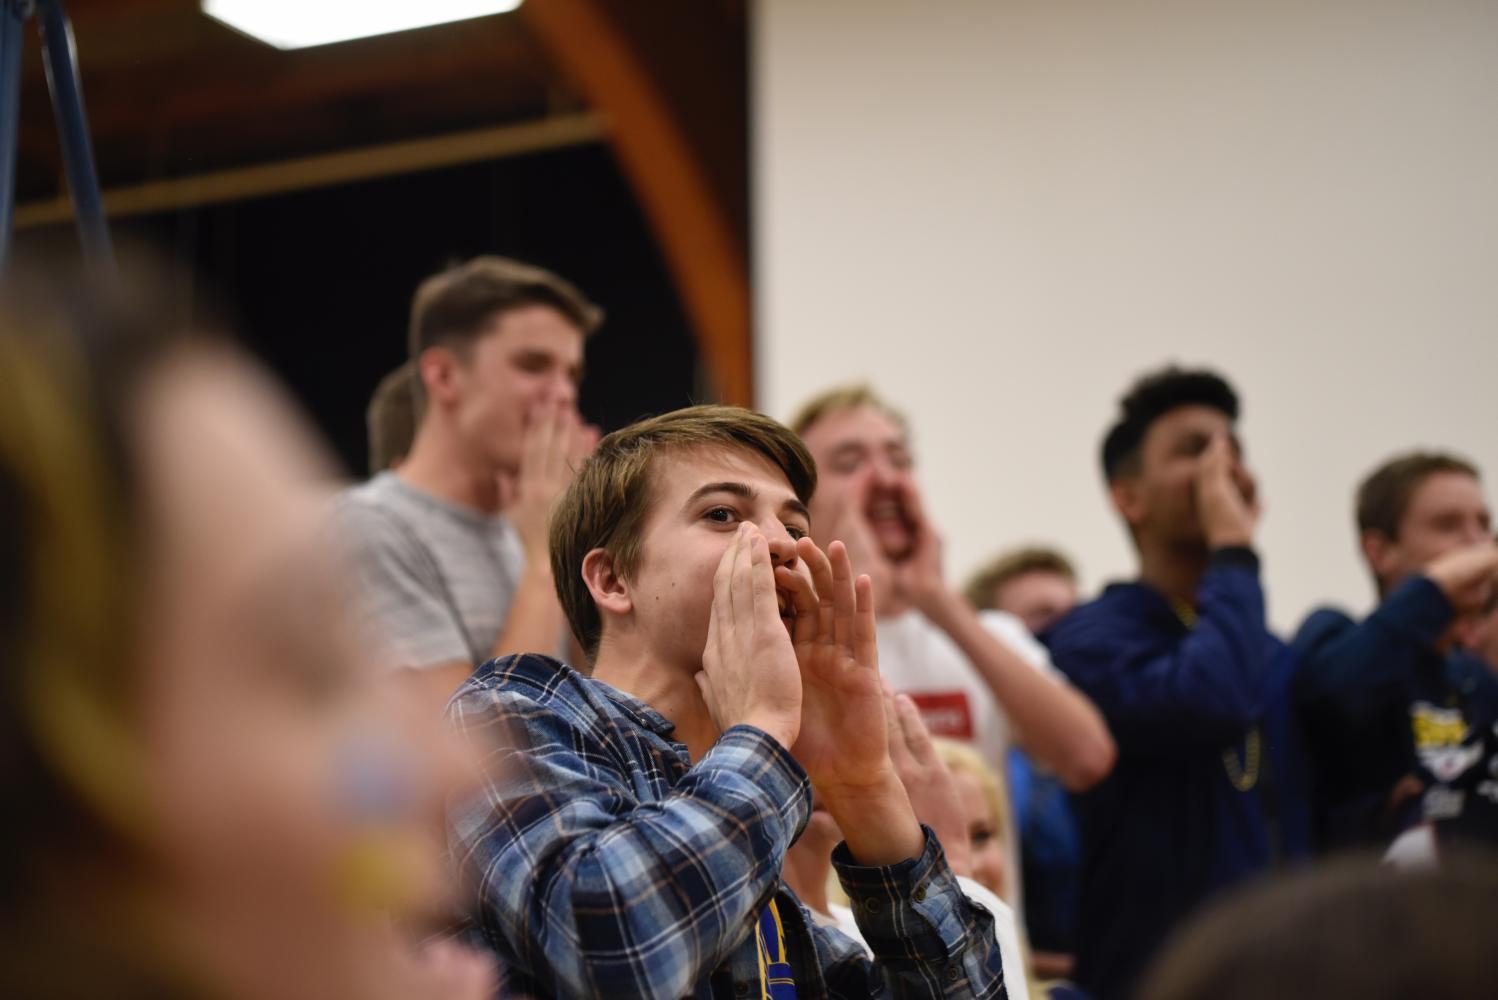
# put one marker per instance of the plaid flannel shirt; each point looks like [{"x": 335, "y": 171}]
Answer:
[{"x": 608, "y": 865}]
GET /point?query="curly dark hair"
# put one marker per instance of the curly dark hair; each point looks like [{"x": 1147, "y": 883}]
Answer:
[{"x": 1149, "y": 399}]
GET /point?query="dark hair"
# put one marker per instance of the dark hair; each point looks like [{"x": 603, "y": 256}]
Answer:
[
  {"x": 609, "y": 499},
  {"x": 391, "y": 419},
  {"x": 1385, "y": 495},
  {"x": 455, "y": 307},
  {"x": 1347, "y": 929},
  {"x": 1152, "y": 397}
]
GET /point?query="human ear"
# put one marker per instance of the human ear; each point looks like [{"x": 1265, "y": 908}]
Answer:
[
  {"x": 439, "y": 370},
  {"x": 1127, "y": 499},
  {"x": 609, "y": 589}
]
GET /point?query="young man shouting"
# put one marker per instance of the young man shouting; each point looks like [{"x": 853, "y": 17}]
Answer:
[{"x": 634, "y": 843}]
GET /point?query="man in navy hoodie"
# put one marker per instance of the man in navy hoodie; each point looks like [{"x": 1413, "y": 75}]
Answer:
[
  {"x": 1397, "y": 715},
  {"x": 1207, "y": 789}
]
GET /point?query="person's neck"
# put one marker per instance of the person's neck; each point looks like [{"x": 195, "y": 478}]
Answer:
[
  {"x": 672, "y": 693},
  {"x": 1175, "y": 571},
  {"x": 439, "y": 464},
  {"x": 807, "y": 866}
]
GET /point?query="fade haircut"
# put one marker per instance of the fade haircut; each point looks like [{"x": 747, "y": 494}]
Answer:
[
  {"x": 1151, "y": 398},
  {"x": 394, "y": 411},
  {"x": 846, "y": 397},
  {"x": 456, "y": 307},
  {"x": 611, "y": 496},
  {"x": 1384, "y": 497},
  {"x": 983, "y": 584}
]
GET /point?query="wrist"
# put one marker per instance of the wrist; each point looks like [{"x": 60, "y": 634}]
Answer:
[
  {"x": 939, "y": 603},
  {"x": 779, "y": 729},
  {"x": 878, "y": 823}
]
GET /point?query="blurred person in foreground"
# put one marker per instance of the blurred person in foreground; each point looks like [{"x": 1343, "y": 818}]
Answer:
[
  {"x": 1038, "y": 585},
  {"x": 638, "y": 849},
  {"x": 1209, "y": 789},
  {"x": 451, "y": 544},
  {"x": 1399, "y": 716},
  {"x": 210, "y": 792},
  {"x": 1346, "y": 930}
]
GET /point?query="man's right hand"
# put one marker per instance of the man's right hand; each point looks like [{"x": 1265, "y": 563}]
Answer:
[
  {"x": 750, "y": 674},
  {"x": 1226, "y": 497},
  {"x": 840, "y": 517},
  {"x": 556, "y": 442},
  {"x": 1467, "y": 575}
]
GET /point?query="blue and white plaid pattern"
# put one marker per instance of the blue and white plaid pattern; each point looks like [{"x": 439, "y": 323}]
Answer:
[{"x": 607, "y": 865}]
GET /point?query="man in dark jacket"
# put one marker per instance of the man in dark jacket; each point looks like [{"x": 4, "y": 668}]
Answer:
[
  {"x": 1396, "y": 713},
  {"x": 1206, "y": 791}
]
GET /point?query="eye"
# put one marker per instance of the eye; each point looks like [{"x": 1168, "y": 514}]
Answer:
[
  {"x": 796, "y": 532},
  {"x": 722, "y": 515}
]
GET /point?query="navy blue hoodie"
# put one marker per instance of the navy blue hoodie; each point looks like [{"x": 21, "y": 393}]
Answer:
[{"x": 1177, "y": 820}]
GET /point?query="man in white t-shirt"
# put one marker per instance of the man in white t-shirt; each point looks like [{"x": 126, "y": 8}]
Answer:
[{"x": 979, "y": 677}]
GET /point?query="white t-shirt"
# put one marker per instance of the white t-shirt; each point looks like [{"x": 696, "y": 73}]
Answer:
[
  {"x": 1016, "y": 978},
  {"x": 917, "y": 658}
]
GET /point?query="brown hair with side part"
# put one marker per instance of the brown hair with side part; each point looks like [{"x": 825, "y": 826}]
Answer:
[
  {"x": 1384, "y": 497},
  {"x": 610, "y": 498},
  {"x": 456, "y": 307},
  {"x": 983, "y": 584}
]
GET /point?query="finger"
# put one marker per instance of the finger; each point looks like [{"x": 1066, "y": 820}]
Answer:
[
  {"x": 913, "y": 729},
  {"x": 533, "y": 447},
  {"x": 865, "y": 626},
  {"x": 821, "y": 577},
  {"x": 766, "y": 608},
  {"x": 844, "y": 601},
  {"x": 803, "y": 602},
  {"x": 723, "y": 584},
  {"x": 743, "y": 576},
  {"x": 563, "y": 426},
  {"x": 899, "y": 750}
]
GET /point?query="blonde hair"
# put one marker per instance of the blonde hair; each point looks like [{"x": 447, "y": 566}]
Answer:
[
  {"x": 846, "y": 397},
  {"x": 607, "y": 504},
  {"x": 982, "y": 585},
  {"x": 961, "y": 757}
]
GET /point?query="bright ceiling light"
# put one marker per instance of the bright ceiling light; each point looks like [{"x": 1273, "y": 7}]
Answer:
[{"x": 297, "y": 24}]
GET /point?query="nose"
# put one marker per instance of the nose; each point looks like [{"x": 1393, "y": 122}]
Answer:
[
  {"x": 782, "y": 545},
  {"x": 562, "y": 390},
  {"x": 883, "y": 475}
]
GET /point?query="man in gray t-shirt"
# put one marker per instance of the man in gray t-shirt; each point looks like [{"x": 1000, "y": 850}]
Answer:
[{"x": 450, "y": 548}]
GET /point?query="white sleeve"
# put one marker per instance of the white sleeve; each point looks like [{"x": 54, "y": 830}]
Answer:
[{"x": 1012, "y": 633}]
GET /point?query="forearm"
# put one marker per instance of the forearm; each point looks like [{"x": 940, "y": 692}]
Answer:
[
  {"x": 606, "y": 872},
  {"x": 1057, "y": 724},
  {"x": 535, "y": 622}
]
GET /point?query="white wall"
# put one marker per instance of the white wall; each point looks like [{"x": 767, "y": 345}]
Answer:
[{"x": 1000, "y": 211}]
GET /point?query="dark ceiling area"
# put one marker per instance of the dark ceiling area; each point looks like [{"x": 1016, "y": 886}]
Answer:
[{"x": 318, "y": 273}]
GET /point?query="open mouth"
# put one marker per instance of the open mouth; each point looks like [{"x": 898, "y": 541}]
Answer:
[
  {"x": 786, "y": 607},
  {"x": 885, "y": 510}
]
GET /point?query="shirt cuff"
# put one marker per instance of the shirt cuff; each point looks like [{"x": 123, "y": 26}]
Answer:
[
  {"x": 1418, "y": 608},
  {"x": 760, "y": 757},
  {"x": 1235, "y": 557},
  {"x": 913, "y": 908}
]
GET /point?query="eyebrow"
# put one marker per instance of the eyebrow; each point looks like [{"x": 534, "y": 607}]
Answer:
[{"x": 746, "y": 492}]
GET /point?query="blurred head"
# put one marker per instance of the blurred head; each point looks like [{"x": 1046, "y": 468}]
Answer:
[
  {"x": 1415, "y": 508},
  {"x": 216, "y": 784},
  {"x": 861, "y": 445},
  {"x": 1345, "y": 929},
  {"x": 638, "y": 537},
  {"x": 394, "y": 410},
  {"x": 1150, "y": 455},
  {"x": 1036, "y": 585},
  {"x": 987, "y": 807},
  {"x": 494, "y": 341}
]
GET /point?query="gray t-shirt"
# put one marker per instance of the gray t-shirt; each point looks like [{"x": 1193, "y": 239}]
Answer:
[{"x": 436, "y": 578}]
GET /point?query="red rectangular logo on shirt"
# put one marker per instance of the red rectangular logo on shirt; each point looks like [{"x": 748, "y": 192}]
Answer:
[{"x": 946, "y": 713}]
